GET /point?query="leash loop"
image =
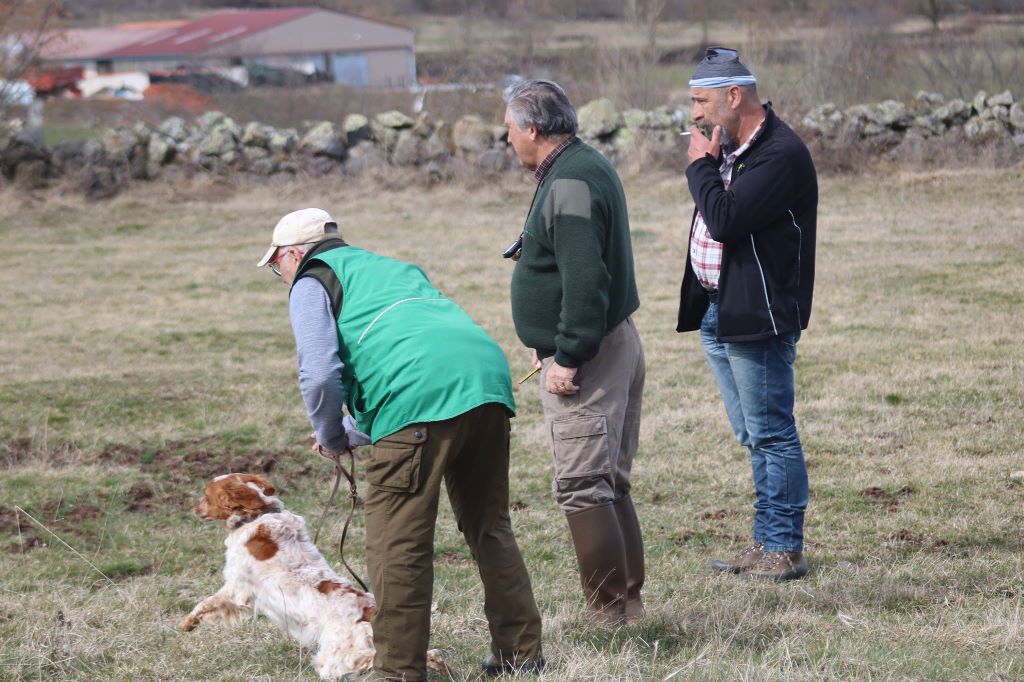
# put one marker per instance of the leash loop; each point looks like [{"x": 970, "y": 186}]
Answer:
[{"x": 350, "y": 474}]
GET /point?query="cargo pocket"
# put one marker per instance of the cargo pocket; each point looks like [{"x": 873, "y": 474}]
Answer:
[
  {"x": 394, "y": 462},
  {"x": 581, "y": 446}
]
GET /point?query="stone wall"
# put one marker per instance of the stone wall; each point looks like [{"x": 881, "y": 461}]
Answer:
[
  {"x": 929, "y": 115},
  {"x": 217, "y": 145}
]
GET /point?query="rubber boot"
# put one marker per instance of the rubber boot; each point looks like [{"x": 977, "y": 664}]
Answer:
[
  {"x": 601, "y": 555},
  {"x": 633, "y": 541}
]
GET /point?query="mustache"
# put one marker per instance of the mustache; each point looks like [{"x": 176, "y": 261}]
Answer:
[{"x": 706, "y": 127}]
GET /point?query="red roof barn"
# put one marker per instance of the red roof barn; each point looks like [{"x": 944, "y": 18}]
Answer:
[{"x": 342, "y": 47}]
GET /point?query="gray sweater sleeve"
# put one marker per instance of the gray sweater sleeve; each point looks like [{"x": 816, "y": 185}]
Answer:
[{"x": 316, "y": 342}]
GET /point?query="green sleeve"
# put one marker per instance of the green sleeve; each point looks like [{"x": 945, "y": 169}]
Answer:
[{"x": 577, "y": 226}]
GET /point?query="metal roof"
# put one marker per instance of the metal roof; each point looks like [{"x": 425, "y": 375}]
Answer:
[
  {"x": 195, "y": 37},
  {"x": 87, "y": 43},
  {"x": 228, "y": 32}
]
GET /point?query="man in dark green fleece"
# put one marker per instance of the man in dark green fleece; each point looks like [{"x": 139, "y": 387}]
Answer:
[{"x": 573, "y": 291}]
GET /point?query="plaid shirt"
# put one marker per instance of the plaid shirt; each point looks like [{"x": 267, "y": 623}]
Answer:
[
  {"x": 549, "y": 160},
  {"x": 705, "y": 252}
]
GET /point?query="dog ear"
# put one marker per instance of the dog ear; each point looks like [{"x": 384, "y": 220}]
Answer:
[
  {"x": 239, "y": 497},
  {"x": 266, "y": 486}
]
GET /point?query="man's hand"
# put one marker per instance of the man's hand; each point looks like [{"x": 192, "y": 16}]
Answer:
[
  {"x": 701, "y": 146},
  {"x": 560, "y": 380},
  {"x": 325, "y": 451},
  {"x": 534, "y": 360}
]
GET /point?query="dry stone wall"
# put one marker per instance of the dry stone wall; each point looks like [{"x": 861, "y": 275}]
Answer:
[{"x": 216, "y": 144}]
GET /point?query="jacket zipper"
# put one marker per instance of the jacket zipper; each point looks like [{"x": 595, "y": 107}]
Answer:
[{"x": 764, "y": 285}]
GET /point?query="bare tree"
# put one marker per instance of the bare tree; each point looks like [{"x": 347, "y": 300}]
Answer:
[
  {"x": 625, "y": 72},
  {"x": 25, "y": 30},
  {"x": 935, "y": 10}
]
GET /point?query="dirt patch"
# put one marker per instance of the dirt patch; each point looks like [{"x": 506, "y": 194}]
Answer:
[
  {"x": 883, "y": 499},
  {"x": 26, "y": 544},
  {"x": 55, "y": 511},
  {"x": 518, "y": 505},
  {"x": 195, "y": 462},
  {"x": 11, "y": 521},
  {"x": 194, "y": 459},
  {"x": 25, "y": 536},
  {"x": 907, "y": 537},
  {"x": 142, "y": 497},
  {"x": 716, "y": 515},
  {"x": 16, "y": 452}
]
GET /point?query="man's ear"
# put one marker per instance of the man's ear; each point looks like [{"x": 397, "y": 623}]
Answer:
[
  {"x": 734, "y": 96},
  {"x": 534, "y": 132}
]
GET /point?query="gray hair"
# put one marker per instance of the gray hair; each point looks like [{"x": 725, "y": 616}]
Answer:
[{"x": 543, "y": 104}]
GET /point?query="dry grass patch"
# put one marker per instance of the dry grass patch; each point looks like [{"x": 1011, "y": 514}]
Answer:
[{"x": 143, "y": 351}]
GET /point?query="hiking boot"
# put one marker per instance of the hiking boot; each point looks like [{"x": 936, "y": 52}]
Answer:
[
  {"x": 493, "y": 666},
  {"x": 778, "y": 566},
  {"x": 744, "y": 559}
]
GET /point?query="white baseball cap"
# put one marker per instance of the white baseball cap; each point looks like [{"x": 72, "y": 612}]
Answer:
[{"x": 308, "y": 226}]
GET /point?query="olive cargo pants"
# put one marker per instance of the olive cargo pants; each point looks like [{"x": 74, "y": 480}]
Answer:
[{"x": 470, "y": 453}]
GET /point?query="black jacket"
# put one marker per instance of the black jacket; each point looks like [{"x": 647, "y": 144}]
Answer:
[{"x": 767, "y": 221}]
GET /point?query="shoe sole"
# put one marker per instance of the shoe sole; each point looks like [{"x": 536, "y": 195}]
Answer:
[
  {"x": 785, "y": 577},
  {"x": 722, "y": 567}
]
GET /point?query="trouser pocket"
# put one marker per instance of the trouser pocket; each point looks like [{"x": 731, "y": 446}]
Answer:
[
  {"x": 394, "y": 462},
  {"x": 580, "y": 445}
]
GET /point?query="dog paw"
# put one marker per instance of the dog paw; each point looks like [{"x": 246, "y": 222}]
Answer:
[
  {"x": 436, "y": 662},
  {"x": 188, "y": 624}
]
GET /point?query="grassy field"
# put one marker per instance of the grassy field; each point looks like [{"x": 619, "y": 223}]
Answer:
[{"x": 143, "y": 353}]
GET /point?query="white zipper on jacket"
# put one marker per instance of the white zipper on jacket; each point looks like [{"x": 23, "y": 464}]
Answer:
[
  {"x": 764, "y": 285},
  {"x": 799, "y": 243}
]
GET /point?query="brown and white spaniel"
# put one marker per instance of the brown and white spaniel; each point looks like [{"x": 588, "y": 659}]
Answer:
[{"x": 273, "y": 568}]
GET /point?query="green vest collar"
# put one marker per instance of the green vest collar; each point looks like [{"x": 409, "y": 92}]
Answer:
[{"x": 325, "y": 245}]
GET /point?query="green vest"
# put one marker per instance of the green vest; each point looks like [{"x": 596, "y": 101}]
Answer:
[{"x": 411, "y": 355}]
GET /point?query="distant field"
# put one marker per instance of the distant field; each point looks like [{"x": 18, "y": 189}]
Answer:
[{"x": 143, "y": 353}]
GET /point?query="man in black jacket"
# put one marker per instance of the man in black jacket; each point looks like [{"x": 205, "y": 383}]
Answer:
[{"x": 747, "y": 287}]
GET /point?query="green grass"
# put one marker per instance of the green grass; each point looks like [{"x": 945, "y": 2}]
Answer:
[
  {"x": 52, "y": 134},
  {"x": 143, "y": 353}
]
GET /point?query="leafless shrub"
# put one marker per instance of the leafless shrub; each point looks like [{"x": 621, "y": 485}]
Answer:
[
  {"x": 625, "y": 73},
  {"x": 25, "y": 29},
  {"x": 960, "y": 62},
  {"x": 848, "y": 60}
]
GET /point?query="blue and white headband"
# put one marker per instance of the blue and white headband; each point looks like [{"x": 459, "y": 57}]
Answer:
[
  {"x": 721, "y": 68},
  {"x": 722, "y": 81}
]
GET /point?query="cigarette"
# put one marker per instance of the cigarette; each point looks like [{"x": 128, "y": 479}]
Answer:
[
  {"x": 684, "y": 133},
  {"x": 523, "y": 380}
]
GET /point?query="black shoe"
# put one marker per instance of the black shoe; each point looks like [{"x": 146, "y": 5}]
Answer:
[{"x": 493, "y": 667}]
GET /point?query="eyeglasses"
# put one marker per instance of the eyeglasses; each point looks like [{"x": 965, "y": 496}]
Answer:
[
  {"x": 721, "y": 55},
  {"x": 275, "y": 265}
]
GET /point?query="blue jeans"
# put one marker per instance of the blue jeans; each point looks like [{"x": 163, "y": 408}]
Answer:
[{"x": 756, "y": 382}]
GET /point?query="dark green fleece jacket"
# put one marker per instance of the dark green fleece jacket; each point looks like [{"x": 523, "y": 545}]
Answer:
[{"x": 574, "y": 280}]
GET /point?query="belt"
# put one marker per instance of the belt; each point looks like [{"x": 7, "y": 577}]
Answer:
[{"x": 712, "y": 295}]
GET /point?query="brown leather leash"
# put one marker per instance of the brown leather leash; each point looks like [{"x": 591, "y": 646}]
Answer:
[{"x": 350, "y": 474}]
